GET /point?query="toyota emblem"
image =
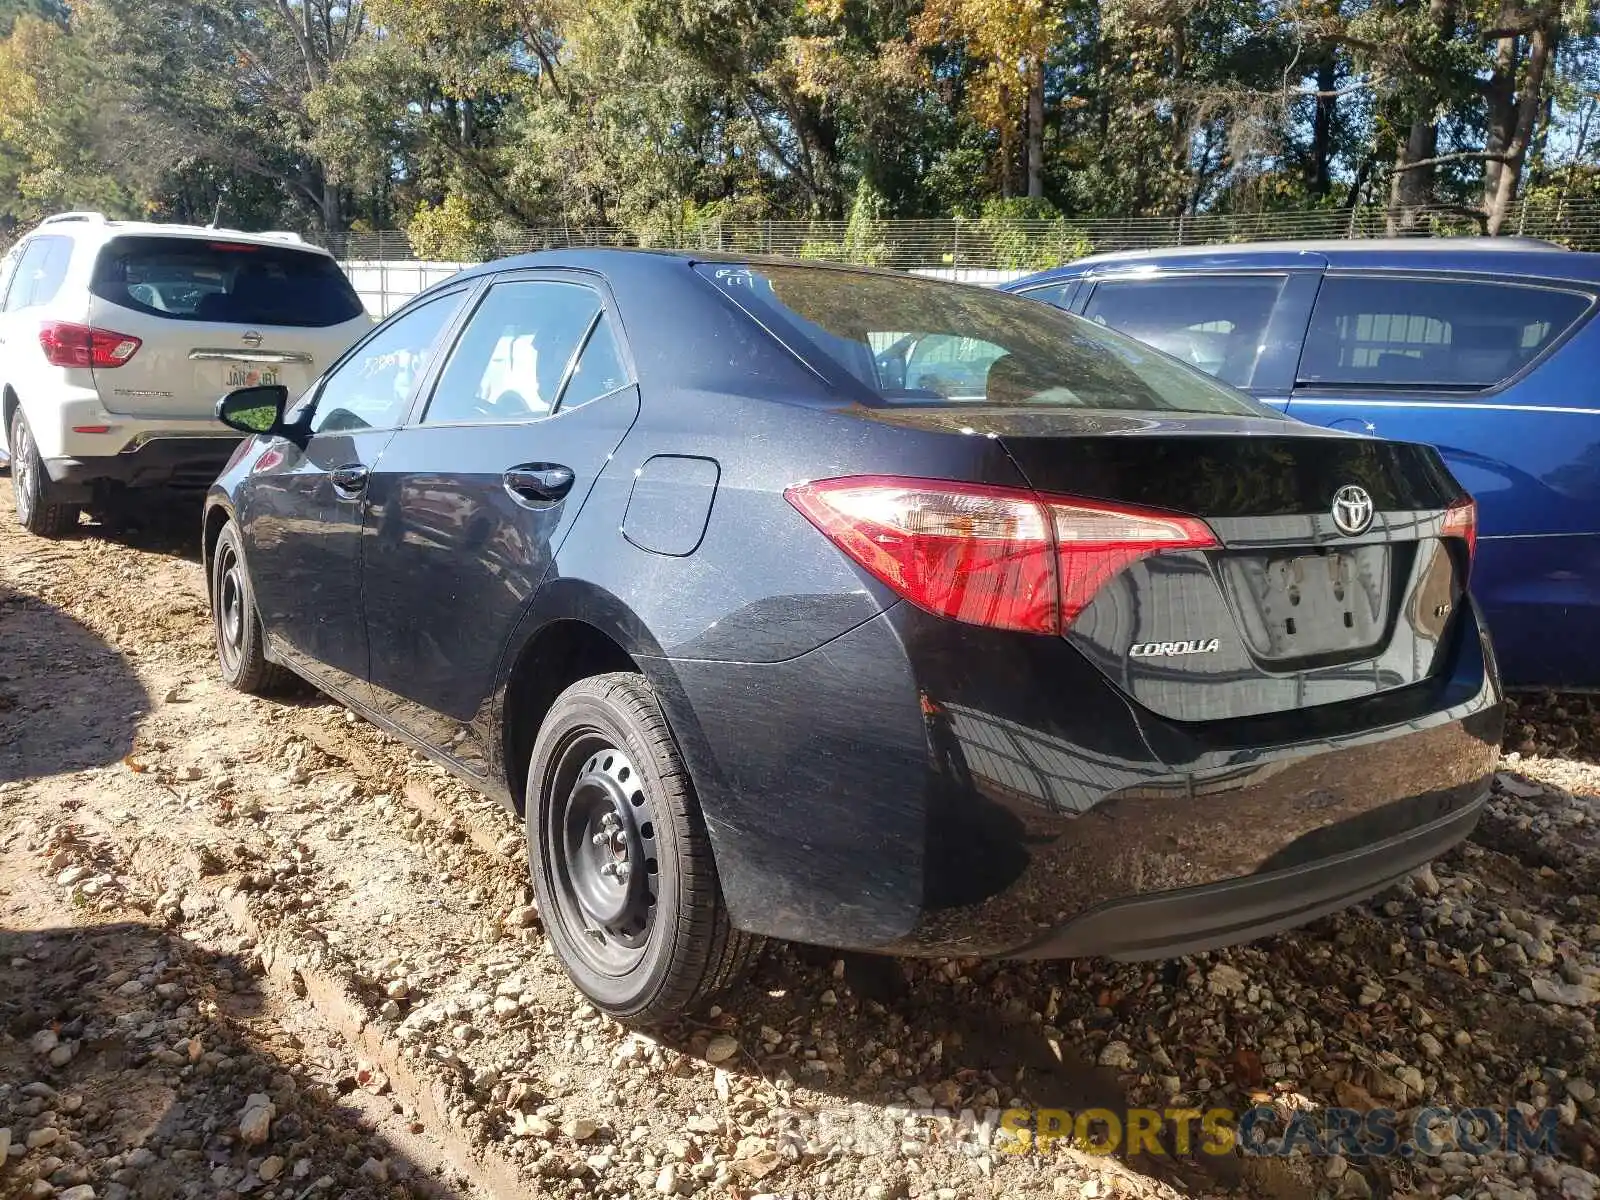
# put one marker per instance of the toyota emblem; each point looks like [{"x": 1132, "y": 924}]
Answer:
[{"x": 1352, "y": 510}]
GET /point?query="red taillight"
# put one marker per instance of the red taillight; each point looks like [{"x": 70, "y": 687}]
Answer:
[
  {"x": 1461, "y": 520},
  {"x": 66, "y": 344},
  {"x": 1001, "y": 557}
]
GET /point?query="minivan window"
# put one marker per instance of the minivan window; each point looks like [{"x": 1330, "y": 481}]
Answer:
[
  {"x": 1380, "y": 331},
  {"x": 914, "y": 341},
  {"x": 1215, "y": 322},
  {"x": 238, "y": 283},
  {"x": 40, "y": 273}
]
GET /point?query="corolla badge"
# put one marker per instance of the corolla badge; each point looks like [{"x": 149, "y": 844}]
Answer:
[
  {"x": 1173, "y": 649},
  {"x": 1352, "y": 510}
]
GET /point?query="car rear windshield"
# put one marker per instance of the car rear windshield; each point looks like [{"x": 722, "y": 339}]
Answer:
[
  {"x": 923, "y": 342},
  {"x": 194, "y": 279}
]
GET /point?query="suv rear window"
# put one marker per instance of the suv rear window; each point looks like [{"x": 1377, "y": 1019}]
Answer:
[
  {"x": 1456, "y": 334},
  {"x": 922, "y": 342},
  {"x": 193, "y": 279}
]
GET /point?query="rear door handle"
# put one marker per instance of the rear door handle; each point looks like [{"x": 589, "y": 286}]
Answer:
[
  {"x": 349, "y": 481},
  {"x": 539, "y": 483}
]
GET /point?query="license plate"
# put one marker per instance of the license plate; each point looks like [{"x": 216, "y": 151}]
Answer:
[
  {"x": 243, "y": 375},
  {"x": 1311, "y": 604}
]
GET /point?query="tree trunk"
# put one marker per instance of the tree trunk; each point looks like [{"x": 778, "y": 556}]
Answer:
[
  {"x": 1322, "y": 120},
  {"x": 1036, "y": 130},
  {"x": 1500, "y": 100},
  {"x": 1412, "y": 188},
  {"x": 1516, "y": 150}
]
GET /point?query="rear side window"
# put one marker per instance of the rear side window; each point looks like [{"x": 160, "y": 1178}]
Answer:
[
  {"x": 1059, "y": 294},
  {"x": 1215, "y": 322},
  {"x": 40, "y": 273},
  {"x": 1431, "y": 333},
  {"x": 237, "y": 283},
  {"x": 515, "y": 359},
  {"x": 921, "y": 342}
]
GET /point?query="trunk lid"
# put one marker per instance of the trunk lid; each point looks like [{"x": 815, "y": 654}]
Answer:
[{"x": 1291, "y": 609}]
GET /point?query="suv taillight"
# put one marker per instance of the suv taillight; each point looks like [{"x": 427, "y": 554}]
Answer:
[
  {"x": 1002, "y": 557},
  {"x": 67, "y": 344}
]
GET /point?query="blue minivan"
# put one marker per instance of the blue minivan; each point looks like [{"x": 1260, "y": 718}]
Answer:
[{"x": 1484, "y": 347}]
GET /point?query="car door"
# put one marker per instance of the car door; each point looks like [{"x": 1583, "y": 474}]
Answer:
[
  {"x": 303, "y": 507},
  {"x": 1242, "y": 326},
  {"x": 1466, "y": 364},
  {"x": 468, "y": 503}
]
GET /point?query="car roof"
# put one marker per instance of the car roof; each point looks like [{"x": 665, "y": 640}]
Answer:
[
  {"x": 1489, "y": 255},
  {"x": 93, "y": 226}
]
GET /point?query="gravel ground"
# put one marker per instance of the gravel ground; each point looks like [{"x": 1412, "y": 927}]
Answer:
[{"x": 259, "y": 948}]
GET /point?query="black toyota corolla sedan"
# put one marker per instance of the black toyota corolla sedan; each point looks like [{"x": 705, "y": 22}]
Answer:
[{"x": 863, "y": 610}]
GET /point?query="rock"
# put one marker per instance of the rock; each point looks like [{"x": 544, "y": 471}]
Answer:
[
  {"x": 139, "y": 1158},
  {"x": 1426, "y": 882},
  {"x": 721, "y": 1049},
  {"x": 255, "y": 1119},
  {"x": 667, "y": 1180},
  {"x": 376, "y": 1170},
  {"x": 1224, "y": 980},
  {"x": 62, "y": 1054},
  {"x": 41, "y": 1138},
  {"x": 82, "y": 1192},
  {"x": 397, "y": 989},
  {"x": 526, "y": 915},
  {"x": 5, "y": 1144},
  {"x": 1573, "y": 995},
  {"x": 1118, "y": 1056},
  {"x": 504, "y": 1006},
  {"x": 269, "y": 1169},
  {"x": 1371, "y": 993},
  {"x": 71, "y": 875},
  {"x": 1430, "y": 1046},
  {"x": 1353, "y": 1185},
  {"x": 44, "y": 1041},
  {"x": 579, "y": 1129},
  {"x": 512, "y": 845},
  {"x": 1580, "y": 1090}
]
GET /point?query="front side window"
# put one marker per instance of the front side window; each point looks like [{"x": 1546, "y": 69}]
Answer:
[
  {"x": 521, "y": 348},
  {"x": 40, "y": 273},
  {"x": 240, "y": 283},
  {"x": 922, "y": 342},
  {"x": 1430, "y": 333},
  {"x": 371, "y": 388},
  {"x": 1215, "y": 322}
]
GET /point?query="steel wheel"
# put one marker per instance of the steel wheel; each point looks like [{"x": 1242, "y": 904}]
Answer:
[
  {"x": 602, "y": 836},
  {"x": 230, "y": 607}
]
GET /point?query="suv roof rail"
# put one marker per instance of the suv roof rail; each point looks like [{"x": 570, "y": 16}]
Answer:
[{"x": 98, "y": 218}]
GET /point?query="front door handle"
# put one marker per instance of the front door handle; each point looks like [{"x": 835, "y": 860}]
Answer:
[
  {"x": 349, "y": 481},
  {"x": 539, "y": 483}
]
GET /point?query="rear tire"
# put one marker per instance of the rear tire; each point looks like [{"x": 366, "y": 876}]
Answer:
[
  {"x": 621, "y": 860},
  {"x": 37, "y": 512},
  {"x": 241, "y": 648}
]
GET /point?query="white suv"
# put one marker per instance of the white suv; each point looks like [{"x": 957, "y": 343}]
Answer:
[{"x": 117, "y": 338}]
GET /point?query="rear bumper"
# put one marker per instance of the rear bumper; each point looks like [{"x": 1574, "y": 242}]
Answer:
[
  {"x": 1187, "y": 920},
  {"x": 158, "y": 461},
  {"x": 915, "y": 787}
]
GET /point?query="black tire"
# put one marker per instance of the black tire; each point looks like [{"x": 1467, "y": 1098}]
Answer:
[
  {"x": 37, "y": 511},
  {"x": 241, "y": 651},
  {"x": 650, "y": 945}
]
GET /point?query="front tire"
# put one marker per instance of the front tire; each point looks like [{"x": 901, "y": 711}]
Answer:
[
  {"x": 31, "y": 486},
  {"x": 620, "y": 857},
  {"x": 241, "y": 648}
]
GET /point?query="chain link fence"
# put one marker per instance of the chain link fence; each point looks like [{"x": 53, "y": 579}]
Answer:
[{"x": 962, "y": 245}]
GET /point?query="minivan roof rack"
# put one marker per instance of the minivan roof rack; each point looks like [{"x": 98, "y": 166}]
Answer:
[{"x": 98, "y": 218}]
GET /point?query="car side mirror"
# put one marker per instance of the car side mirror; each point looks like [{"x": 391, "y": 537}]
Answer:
[{"x": 255, "y": 409}]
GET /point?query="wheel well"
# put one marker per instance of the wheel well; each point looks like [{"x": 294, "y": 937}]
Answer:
[
  {"x": 8, "y": 407},
  {"x": 559, "y": 655},
  {"x": 216, "y": 518}
]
